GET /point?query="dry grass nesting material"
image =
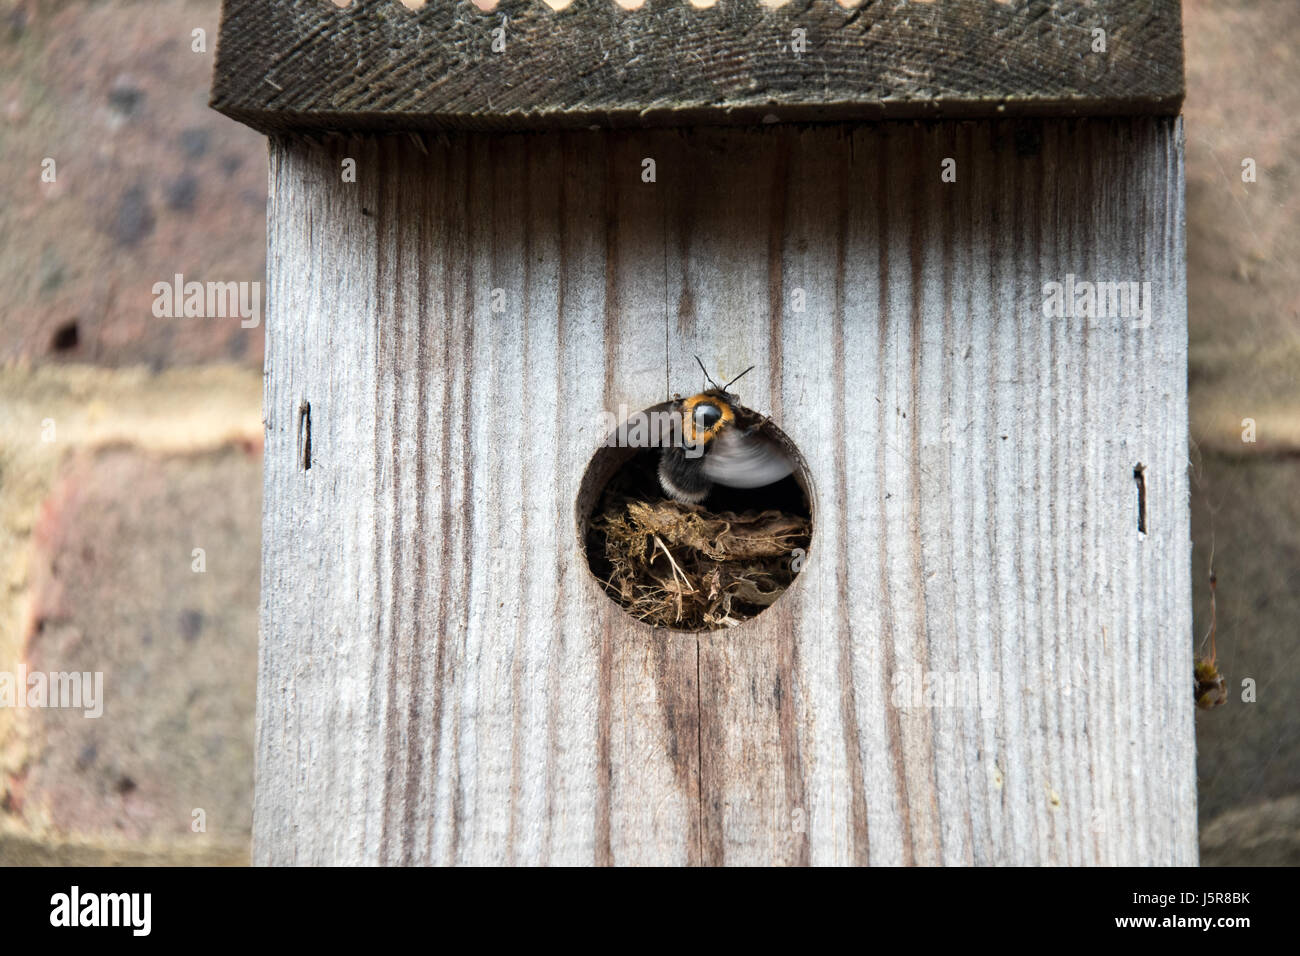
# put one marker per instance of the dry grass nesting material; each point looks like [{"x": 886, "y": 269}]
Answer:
[{"x": 685, "y": 567}]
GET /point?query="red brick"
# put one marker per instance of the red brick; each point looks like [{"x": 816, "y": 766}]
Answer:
[
  {"x": 113, "y": 591},
  {"x": 151, "y": 183}
]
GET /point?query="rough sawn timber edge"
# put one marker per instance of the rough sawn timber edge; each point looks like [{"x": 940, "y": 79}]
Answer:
[{"x": 303, "y": 65}]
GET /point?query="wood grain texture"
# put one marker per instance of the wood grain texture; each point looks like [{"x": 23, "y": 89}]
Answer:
[
  {"x": 442, "y": 680},
  {"x": 305, "y": 64}
]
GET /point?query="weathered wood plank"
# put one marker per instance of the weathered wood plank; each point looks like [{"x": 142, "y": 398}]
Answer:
[
  {"x": 443, "y": 681},
  {"x": 305, "y": 64}
]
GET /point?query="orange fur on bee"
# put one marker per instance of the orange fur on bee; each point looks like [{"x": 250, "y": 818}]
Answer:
[{"x": 688, "y": 417}]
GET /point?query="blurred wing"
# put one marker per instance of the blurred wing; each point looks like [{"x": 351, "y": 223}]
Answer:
[{"x": 745, "y": 461}]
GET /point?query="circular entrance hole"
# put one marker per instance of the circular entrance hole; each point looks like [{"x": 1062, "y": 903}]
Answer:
[{"x": 691, "y": 567}]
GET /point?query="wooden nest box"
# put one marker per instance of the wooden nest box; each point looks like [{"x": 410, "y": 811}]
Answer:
[{"x": 948, "y": 235}]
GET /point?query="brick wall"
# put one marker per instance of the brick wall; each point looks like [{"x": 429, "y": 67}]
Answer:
[
  {"x": 130, "y": 444},
  {"x": 1243, "y": 244}
]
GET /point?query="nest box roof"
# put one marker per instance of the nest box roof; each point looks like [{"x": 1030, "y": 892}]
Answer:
[{"x": 304, "y": 65}]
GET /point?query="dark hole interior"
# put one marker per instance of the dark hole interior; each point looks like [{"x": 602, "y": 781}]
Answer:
[{"x": 65, "y": 337}]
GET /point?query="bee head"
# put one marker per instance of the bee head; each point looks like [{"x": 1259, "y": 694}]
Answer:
[
  {"x": 705, "y": 415},
  {"x": 708, "y": 413}
]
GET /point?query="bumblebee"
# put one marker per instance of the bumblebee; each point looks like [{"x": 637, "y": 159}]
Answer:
[{"x": 721, "y": 442}]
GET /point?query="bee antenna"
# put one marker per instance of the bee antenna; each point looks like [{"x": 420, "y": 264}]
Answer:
[
  {"x": 706, "y": 373},
  {"x": 739, "y": 377}
]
